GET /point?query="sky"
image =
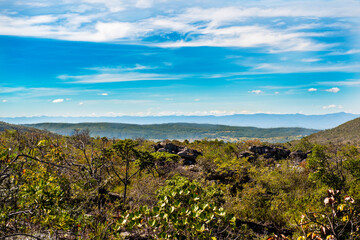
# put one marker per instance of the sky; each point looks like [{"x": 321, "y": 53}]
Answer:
[{"x": 169, "y": 57}]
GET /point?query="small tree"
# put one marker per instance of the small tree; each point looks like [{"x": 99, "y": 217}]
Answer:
[
  {"x": 325, "y": 169},
  {"x": 132, "y": 159}
]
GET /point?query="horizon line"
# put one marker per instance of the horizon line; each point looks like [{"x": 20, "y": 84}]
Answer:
[{"x": 178, "y": 115}]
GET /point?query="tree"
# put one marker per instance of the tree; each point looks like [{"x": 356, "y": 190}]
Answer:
[
  {"x": 133, "y": 160},
  {"x": 326, "y": 170}
]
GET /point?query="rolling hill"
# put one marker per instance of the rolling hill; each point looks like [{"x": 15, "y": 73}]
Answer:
[
  {"x": 178, "y": 131},
  {"x": 348, "y": 132},
  {"x": 7, "y": 126}
]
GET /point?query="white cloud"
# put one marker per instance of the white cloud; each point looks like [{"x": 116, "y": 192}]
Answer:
[
  {"x": 112, "y": 5},
  {"x": 121, "y": 68},
  {"x": 104, "y": 94},
  {"x": 332, "y": 106},
  {"x": 179, "y": 113},
  {"x": 196, "y": 99},
  {"x": 351, "y": 51},
  {"x": 333, "y": 90},
  {"x": 256, "y": 91},
  {"x": 144, "y": 3},
  {"x": 11, "y": 89},
  {"x": 60, "y": 100},
  {"x": 120, "y": 77},
  {"x": 312, "y": 89},
  {"x": 276, "y": 93},
  {"x": 4, "y": 100},
  {"x": 33, "y": 3},
  {"x": 268, "y": 68},
  {"x": 222, "y": 26},
  {"x": 310, "y": 60},
  {"x": 81, "y": 103},
  {"x": 351, "y": 82},
  {"x": 250, "y": 36}
]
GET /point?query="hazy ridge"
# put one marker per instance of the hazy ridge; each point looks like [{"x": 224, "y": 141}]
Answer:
[
  {"x": 260, "y": 120},
  {"x": 179, "y": 131}
]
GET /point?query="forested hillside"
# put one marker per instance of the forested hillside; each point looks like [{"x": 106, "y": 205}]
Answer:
[
  {"x": 348, "y": 132},
  {"x": 180, "y": 131},
  {"x": 6, "y": 126}
]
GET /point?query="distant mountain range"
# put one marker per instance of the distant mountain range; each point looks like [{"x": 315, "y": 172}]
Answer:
[
  {"x": 260, "y": 120},
  {"x": 179, "y": 131}
]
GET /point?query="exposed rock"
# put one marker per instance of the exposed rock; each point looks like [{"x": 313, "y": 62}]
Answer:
[
  {"x": 157, "y": 147},
  {"x": 298, "y": 156},
  {"x": 245, "y": 154},
  {"x": 251, "y": 157},
  {"x": 270, "y": 152},
  {"x": 260, "y": 149},
  {"x": 188, "y": 155},
  {"x": 282, "y": 153},
  {"x": 171, "y": 148}
]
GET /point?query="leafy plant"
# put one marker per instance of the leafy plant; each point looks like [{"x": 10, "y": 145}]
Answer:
[
  {"x": 339, "y": 221},
  {"x": 185, "y": 210}
]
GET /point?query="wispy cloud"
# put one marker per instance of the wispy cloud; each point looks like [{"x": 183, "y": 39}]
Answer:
[
  {"x": 234, "y": 26},
  {"x": 312, "y": 89},
  {"x": 120, "y": 77},
  {"x": 11, "y": 89},
  {"x": 121, "y": 68},
  {"x": 333, "y": 90},
  {"x": 112, "y": 5},
  {"x": 256, "y": 91},
  {"x": 116, "y": 101},
  {"x": 268, "y": 68},
  {"x": 342, "y": 83},
  {"x": 310, "y": 60},
  {"x": 120, "y": 74},
  {"x": 59, "y": 100},
  {"x": 351, "y": 51},
  {"x": 333, "y": 106},
  {"x": 179, "y": 113}
]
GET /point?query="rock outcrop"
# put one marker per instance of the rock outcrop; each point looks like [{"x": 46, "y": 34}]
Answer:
[
  {"x": 188, "y": 155},
  {"x": 299, "y": 155},
  {"x": 270, "y": 152},
  {"x": 276, "y": 153}
]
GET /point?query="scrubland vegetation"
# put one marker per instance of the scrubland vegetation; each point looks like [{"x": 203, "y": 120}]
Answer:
[
  {"x": 79, "y": 187},
  {"x": 179, "y": 131}
]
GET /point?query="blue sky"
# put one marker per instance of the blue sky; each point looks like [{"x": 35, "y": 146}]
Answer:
[{"x": 168, "y": 57}]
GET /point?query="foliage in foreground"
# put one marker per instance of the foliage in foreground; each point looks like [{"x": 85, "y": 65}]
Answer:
[
  {"x": 80, "y": 187},
  {"x": 185, "y": 210}
]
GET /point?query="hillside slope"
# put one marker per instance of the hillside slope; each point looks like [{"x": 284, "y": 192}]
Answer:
[
  {"x": 6, "y": 126},
  {"x": 348, "y": 132},
  {"x": 178, "y": 131}
]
